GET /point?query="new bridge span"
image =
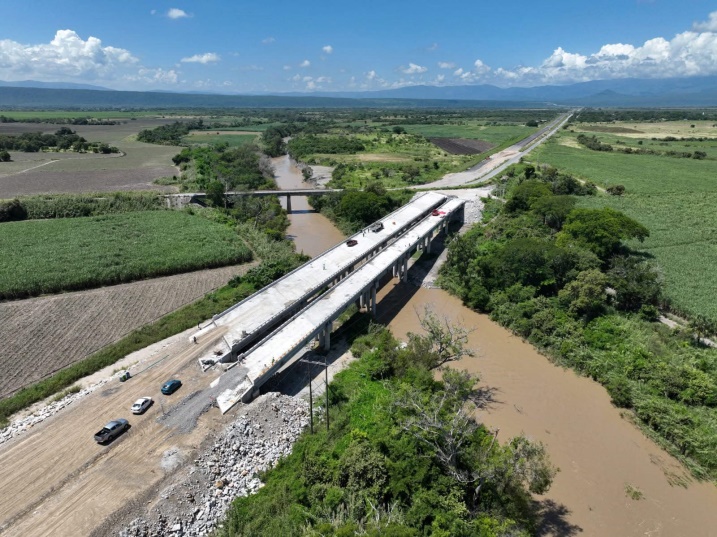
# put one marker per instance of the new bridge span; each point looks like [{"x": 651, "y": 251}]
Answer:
[
  {"x": 254, "y": 317},
  {"x": 278, "y": 347}
]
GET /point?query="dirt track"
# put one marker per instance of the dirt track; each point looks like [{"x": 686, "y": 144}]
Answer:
[{"x": 57, "y": 481}]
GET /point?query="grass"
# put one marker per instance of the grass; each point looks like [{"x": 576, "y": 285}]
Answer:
[
  {"x": 476, "y": 130},
  {"x": 633, "y": 492},
  {"x": 48, "y": 256},
  {"x": 233, "y": 140},
  {"x": 674, "y": 198}
]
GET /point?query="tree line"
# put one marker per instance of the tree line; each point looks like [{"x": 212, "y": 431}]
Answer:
[{"x": 64, "y": 139}]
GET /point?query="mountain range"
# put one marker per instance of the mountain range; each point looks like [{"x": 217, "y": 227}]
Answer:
[{"x": 622, "y": 93}]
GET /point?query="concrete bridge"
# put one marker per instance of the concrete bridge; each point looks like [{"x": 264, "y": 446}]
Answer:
[
  {"x": 288, "y": 338},
  {"x": 251, "y": 319},
  {"x": 181, "y": 200}
]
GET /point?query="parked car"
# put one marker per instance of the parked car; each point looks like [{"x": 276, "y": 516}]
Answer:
[
  {"x": 111, "y": 431},
  {"x": 141, "y": 404},
  {"x": 351, "y": 242},
  {"x": 378, "y": 226},
  {"x": 171, "y": 386}
]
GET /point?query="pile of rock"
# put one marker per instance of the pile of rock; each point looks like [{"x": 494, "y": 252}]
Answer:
[
  {"x": 23, "y": 424},
  {"x": 226, "y": 469}
]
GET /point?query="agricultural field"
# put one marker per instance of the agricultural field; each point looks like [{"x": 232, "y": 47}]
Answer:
[
  {"x": 233, "y": 138},
  {"x": 40, "y": 173},
  {"x": 674, "y": 197},
  {"x": 49, "y": 256},
  {"x": 43, "y": 335},
  {"x": 475, "y": 130},
  {"x": 461, "y": 146}
]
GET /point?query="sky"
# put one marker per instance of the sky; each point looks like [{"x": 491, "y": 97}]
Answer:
[{"x": 242, "y": 46}]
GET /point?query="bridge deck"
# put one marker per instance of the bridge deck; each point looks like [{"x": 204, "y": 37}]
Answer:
[
  {"x": 277, "y": 348},
  {"x": 248, "y": 319}
]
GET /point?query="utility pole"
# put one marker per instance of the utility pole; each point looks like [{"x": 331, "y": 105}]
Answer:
[{"x": 326, "y": 380}]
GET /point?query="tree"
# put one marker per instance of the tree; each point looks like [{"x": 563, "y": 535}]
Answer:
[
  {"x": 585, "y": 296},
  {"x": 4, "y": 156},
  {"x": 443, "y": 341},
  {"x": 600, "y": 230},
  {"x": 215, "y": 194},
  {"x": 525, "y": 194},
  {"x": 615, "y": 190},
  {"x": 636, "y": 283},
  {"x": 553, "y": 209}
]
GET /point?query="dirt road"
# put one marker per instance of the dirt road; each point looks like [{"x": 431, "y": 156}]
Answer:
[{"x": 56, "y": 480}]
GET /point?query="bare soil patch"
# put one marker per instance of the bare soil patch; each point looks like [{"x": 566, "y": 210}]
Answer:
[
  {"x": 45, "y": 173},
  {"x": 382, "y": 157},
  {"x": 42, "y": 335},
  {"x": 461, "y": 146}
]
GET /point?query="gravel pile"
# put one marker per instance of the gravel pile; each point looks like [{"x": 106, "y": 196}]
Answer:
[
  {"x": 21, "y": 425},
  {"x": 228, "y": 468}
]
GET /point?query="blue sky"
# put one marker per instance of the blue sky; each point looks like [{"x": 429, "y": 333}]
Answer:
[{"x": 340, "y": 45}]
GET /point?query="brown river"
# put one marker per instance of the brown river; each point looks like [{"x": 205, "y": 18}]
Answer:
[{"x": 600, "y": 454}]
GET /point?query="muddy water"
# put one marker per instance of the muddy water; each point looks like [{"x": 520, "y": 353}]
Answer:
[
  {"x": 311, "y": 232},
  {"x": 599, "y": 453}
]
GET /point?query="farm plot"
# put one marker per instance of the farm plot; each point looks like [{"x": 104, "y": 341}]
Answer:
[
  {"x": 674, "y": 198},
  {"x": 42, "y": 335},
  {"x": 462, "y": 146},
  {"x": 48, "y": 256},
  {"x": 41, "y": 173}
]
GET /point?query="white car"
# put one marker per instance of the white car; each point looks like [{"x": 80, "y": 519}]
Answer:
[{"x": 141, "y": 404}]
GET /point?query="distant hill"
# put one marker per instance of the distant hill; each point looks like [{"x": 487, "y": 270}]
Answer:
[
  {"x": 630, "y": 92},
  {"x": 91, "y": 99},
  {"x": 51, "y": 85}
]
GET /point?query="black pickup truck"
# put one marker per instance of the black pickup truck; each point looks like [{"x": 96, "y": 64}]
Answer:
[{"x": 111, "y": 431}]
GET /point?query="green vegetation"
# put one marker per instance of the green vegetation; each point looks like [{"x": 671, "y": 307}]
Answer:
[
  {"x": 48, "y": 256},
  {"x": 674, "y": 198},
  {"x": 562, "y": 278},
  {"x": 240, "y": 168},
  {"x": 65, "y": 139},
  {"x": 404, "y": 456},
  {"x": 171, "y": 134},
  {"x": 219, "y": 140},
  {"x": 352, "y": 210},
  {"x": 75, "y": 205},
  {"x": 279, "y": 256}
]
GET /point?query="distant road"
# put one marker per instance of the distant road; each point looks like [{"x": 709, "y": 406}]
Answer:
[{"x": 486, "y": 170}]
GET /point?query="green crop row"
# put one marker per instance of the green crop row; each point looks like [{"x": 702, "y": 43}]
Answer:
[{"x": 49, "y": 256}]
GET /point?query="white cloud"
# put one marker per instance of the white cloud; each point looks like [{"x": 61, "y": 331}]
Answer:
[
  {"x": 458, "y": 72},
  {"x": 67, "y": 55},
  {"x": 296, "y": 77},
  {"x": 690, "y": 53},
  {"x": 413, "y": 69},
  {"x": 707, "y": 26},
  {"x": 479, "y": 68},
  {"x": 446, "y": 65},
  {"x": 371, "y": 74},
  {"x": 208, "y": 57},
  {"x": 328, "y": 49},
  {"x": 154, "y": 76},
  {"x": 287, "y": 68},
  {"x": 268, "y": 40},
  {"x": 175, "y": 13},
  {"x": 305, "y": 63},
  {"x": 433, "y": 47},
  {"x": 440, "y": 79}
]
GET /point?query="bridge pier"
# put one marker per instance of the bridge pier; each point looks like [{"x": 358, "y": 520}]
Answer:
[
  {"x": 288, "y": 204},
  {"x": 373, "y": 298}
]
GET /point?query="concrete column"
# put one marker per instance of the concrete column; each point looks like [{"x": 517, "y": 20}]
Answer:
[
  {"x": 362, "y": 300},
  {"x": 327, "y": 336},
  {"x": 288, "y": 204},
  {"x": 373, "y": 299},
  {"x": 428, "y": 244},
  {"x": 405, "y": 268}
]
